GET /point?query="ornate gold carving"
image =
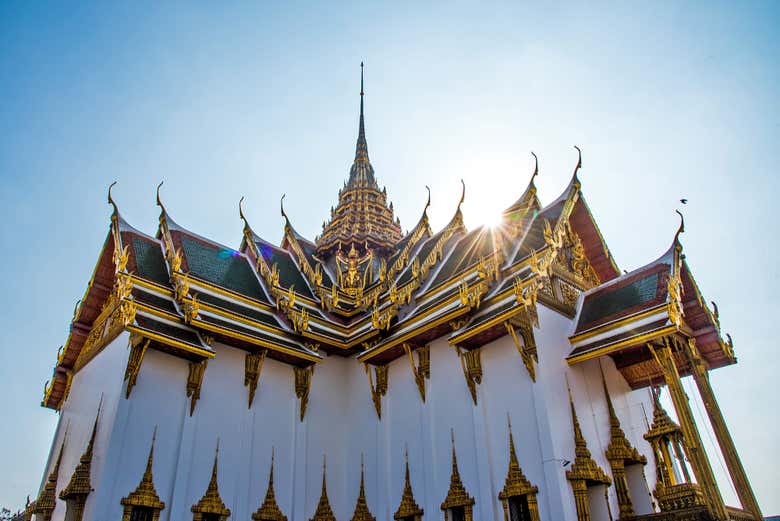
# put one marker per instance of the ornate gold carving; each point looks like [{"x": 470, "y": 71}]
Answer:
[
  {"x": 571, "y": 258},
  {"x": 674, "y": 286},
  {"x": 362, "y": 513},
  {"x": 408, "y": 509},
  {"x": 253, "y": 364},
  {"x": 120, "y": 258},
  {"x": 211, "y": 505},
  {"x": 194, "y": 382},
  {"x": 422, "y": 370},
  {"x": 569, "y": 294},
  {"x": 354, "y": 271},
  {"x": 138, "y": 347},
  {"x": 471, "y": 363},
  {"x": 191, "y": 309},
  {"x": 471, "y": 296},
  {"x": 181, "y": 286},
  {"x": 117, "y": 313},
  {"x": 145, "y": 496},
  {"x": 299, "y": 319},
  {"x": 269, "y": 510},
  {"x": 525, "y": 347},
  {"x": 382, "y": 319},
  {"x": 324, "y": 511},
  {"x": 516, "y": 484},
  {"x": 458, "y": 323},
  {"x": 380, "y": 389},
  {"x": 303, "y": 385},
  {"x": 525, "y": 295},
  {"x": 457, "y": 497}
]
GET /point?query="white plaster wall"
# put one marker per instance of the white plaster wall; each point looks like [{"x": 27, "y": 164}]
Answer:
[
  {"x": 100, "y": 379},
  {"x": 342, "y": 424}
]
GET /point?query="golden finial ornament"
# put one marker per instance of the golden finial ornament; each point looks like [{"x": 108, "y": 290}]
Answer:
[
  {"x": 536, "y": 167},
  {"x": 408, "y": 507},
  {"x": 579, "y": 159},
  {"x": 324, "y": 511},
  {"x": 111, "y": 199},
  {"x": 159, "y": 199},
  {"x": 269, "y": 510},
  {"x": 362, "y": 513},
  {"x": 681, "y": 228},
  {"x": 211, "y": 503},
  {"x": 457, "y": 497},
  {"x": 145, "y": 495}
]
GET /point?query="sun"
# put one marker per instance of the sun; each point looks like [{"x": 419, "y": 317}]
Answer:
[{"x": 491, "y": 216}]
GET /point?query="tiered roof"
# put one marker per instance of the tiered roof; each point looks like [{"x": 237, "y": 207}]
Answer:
[{"x": 396, "y": 293}]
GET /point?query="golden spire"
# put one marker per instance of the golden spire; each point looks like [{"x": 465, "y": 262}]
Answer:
[
  {"x": 662, "y": 423},
  {"x": 211, "y": 502},
  {"x": 269, "y": 510},
  {"x": 323, "y": 512},
  {"x": 516, "y": 484},
  {"x": 456, "y": 495},
  {"x": 408, "y": 506},
  {"x": 47, "y": 499},
  {"x": 619, "y": 447},
  {"x": 583, "y": 468},
  {"x": 362, "y": 513},
  {"x": 80, "y": 480},
  {"x": 145, "y": 494}
]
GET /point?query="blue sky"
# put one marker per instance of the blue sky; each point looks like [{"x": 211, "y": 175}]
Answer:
[{"x": 667, "y": 100}]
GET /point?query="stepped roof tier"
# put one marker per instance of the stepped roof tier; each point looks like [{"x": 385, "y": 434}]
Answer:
[
  {"x": 621, "y": 317},
  {"x": 362, "y": 288}
]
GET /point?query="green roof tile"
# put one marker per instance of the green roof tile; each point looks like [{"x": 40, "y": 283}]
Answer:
[{"x": 603, "y": 305}]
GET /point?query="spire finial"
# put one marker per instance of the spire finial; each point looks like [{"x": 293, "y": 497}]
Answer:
[
  {"x": 536, "y": 167},
  {"x": 579, "y": 158},
  {"x": 281, "y": 207},
  {"x": 159, "y": 200},
  {"x": 241, "y": 211},
  {"x": 148, "y": 472},
  {"x": 462, "y": 194},
  {"x": 428, "y": 202},
  {"x": 681, "y": 228},
  {"x": 361, "y": 83},
  {"x": 111, "y": 199}
]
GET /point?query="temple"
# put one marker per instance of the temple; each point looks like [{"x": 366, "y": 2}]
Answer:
[{"x": 503, "y": 373}]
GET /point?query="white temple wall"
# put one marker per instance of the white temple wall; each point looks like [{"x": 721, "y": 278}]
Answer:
[
  {"x": 341, "y": 423},
  {"x": 507, "y": 389},
  {"x": 324, "y": 433},
  {"x": 100, "y": 378},
  {"x": 157, "y": 400}
]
